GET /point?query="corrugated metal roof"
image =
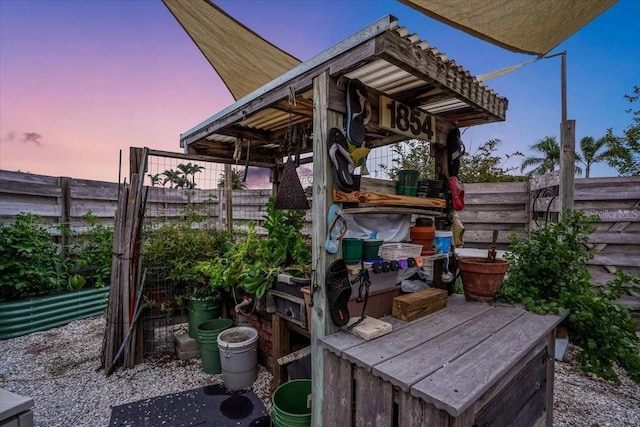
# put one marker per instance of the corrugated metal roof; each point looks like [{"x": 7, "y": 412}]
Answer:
[{"x": 440, "y": 87}]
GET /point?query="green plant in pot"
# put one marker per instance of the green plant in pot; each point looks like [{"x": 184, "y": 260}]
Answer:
[
  {"x": 204, "y": 295},
  {"x": 548, "y": 274},
  {"x": 171, "y": 249},
  {"x": 285, "y": 249}
]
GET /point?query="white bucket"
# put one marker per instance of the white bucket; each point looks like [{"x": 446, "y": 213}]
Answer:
[
  {"x": 238, "y": 356},
  {"x": 442, "y": 241}
]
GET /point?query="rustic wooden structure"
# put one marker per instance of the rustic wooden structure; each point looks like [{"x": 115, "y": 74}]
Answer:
[
  {"x": 467, "y": 364},
  {"x": 398, "y": 69}
]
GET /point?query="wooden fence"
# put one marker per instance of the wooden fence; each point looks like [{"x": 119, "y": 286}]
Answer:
[
  {"x": 507, "y": 207},
  {"x": 62, "y": 200}
]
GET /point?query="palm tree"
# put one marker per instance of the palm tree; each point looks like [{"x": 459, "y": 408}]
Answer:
[
  {"x": 155, "y": 179},
  {"x": 175, "y": 178},
  {"x": 236, "y": 181},
  {"x": 550, "y": 150},
  {"x": 590, "y": 148},
  {"x": 190, "y": 170}
]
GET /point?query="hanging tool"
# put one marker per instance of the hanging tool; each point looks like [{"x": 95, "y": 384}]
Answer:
[
  {"x": 291, "y": 195},
  {"x": 364, "y": 283},
  {"x": 246, "y": 162},
  {"x": 491, "y": 256}
]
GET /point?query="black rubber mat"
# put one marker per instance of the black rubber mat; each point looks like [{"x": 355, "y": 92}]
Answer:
[{"x": 207, "y": 406}]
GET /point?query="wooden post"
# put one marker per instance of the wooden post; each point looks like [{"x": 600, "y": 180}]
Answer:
[
  {"x": 567, "y": 164},
  {"x": 280, "y": 343},
  {"x": 551, "y": 353},
  {"x": 228, "y": 186},
  {"x": 135, "y": 161},
  {"x": 65, "y": 212},
  {"x": 323, "y": 120}
]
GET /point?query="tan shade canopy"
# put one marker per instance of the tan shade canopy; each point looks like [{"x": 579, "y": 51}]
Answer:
[
  {"x": 527, "y": 26},
  {"x": 244, "y": 60}
]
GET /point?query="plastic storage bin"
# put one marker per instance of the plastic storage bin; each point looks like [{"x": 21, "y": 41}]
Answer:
[{"x": 393, "y": 251}]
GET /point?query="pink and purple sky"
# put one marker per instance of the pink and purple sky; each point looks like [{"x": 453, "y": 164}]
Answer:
[{"x": 82, "y": 80}]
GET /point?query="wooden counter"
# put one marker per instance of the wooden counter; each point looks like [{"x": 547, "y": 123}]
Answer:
[{"x": 468, "y": 364}]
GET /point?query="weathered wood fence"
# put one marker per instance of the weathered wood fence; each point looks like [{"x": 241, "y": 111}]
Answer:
[{"x": 508, "y": 207}]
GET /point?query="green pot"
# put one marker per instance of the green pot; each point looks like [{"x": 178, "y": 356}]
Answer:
[{"x": 200, "y": 311}]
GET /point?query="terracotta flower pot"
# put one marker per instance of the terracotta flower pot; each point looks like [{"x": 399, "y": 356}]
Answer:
[
  {"x": 482, "y": 278},
  {"x": 423, "y": 236},
  {"x": 422, "y": 233}
]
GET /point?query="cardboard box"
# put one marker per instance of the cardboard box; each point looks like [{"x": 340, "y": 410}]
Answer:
[{"x": 418, "y": 304}]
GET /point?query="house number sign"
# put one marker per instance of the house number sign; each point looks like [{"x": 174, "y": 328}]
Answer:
[{"x": 401, "y": 118}]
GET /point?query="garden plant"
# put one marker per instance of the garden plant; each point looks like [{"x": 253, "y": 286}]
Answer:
[{"x": 548, "y": 274}]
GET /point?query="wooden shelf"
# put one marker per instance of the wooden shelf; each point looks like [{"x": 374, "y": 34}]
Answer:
[
  {"x": 388, "y": 199},
  {"x": 393, "y": 210}
]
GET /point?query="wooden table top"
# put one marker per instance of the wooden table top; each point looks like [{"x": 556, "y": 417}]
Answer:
[{"x": 450, "y": 357}]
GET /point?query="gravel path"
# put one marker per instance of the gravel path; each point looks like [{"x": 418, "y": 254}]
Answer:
[{"x": 58, "y": 369}]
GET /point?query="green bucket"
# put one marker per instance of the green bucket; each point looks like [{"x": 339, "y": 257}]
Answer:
[
  {"x": 200, "y": 311},
  {"x": 208, "y": 338},
  {"x": 351, "y": 250},
  {"x": 292, "y": 405},
  {"x": 407, "y": 182}
]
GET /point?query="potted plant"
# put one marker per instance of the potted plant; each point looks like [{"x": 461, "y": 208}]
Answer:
[
  {"x": 548, "y": 273},
  {"x": 171, "y": 249},
  {"x": 284, "y": 249}
]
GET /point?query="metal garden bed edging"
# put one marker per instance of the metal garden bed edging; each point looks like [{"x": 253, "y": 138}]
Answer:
[{"x": 19, "y": 318}]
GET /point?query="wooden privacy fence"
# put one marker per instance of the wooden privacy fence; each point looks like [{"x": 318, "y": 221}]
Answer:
[
  {"x": 616, "y": 201},
  {"x": 62, "y": 200},
  {"x": 508, "y": 207}
]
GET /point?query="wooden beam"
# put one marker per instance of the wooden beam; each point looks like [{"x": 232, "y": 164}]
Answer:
[
  {"x": 387, "y": 199},
  {"x": 323, "y": 120},
  {"x": 292, "y": 357}
]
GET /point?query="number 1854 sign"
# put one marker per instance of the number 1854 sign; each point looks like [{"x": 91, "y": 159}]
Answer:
[{"x": 405, "y": 120}]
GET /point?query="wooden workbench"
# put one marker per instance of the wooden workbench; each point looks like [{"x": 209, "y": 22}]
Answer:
[{"x": 467, "y": 364}]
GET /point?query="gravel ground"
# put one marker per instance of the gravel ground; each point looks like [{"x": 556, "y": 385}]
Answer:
[{"x": 59, "y": 370}]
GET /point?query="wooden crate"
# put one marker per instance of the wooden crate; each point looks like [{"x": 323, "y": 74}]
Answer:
[{"x": 418, "y": 304}]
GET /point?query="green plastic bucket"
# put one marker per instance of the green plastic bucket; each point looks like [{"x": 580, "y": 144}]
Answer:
[
  {"x": 208, "y": 338},
  {"x": 292, "y": 404},
  {"x": 371, "y": 249},
  {"x": 407, "y": 182},
  {"x": 351, "y": 250},
  {"x": 200, "y": 311}
]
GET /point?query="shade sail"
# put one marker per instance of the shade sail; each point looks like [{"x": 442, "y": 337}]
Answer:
[
  {"x": 525, "y": 26},
  {"x": 243, "y": 59}
]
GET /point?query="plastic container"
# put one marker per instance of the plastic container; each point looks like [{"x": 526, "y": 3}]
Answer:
[
  {"x": 408, "y": 178},
  {"x": 395, "y": 251},
  {"x": 406, "y": 191},
  {"x": 435, "y": 188},
  {"x": 352, "y": 250},
  {"x": 291, "y": 404},
  {"x": 443, "y": 241},
  {"x": 239, "y": 356},
  {"x": 208, "y": 339},
  {"x": 424, "y": 222},
  {"x": 371, "y": 249},
  {"x": 200, "y": 311}
]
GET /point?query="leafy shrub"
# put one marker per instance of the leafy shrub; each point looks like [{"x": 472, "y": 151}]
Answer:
[
  {"x": 93, "y": 252},
  {"x": 253, "y": 262},
  {"x": 29, "y": 259},
  {"x": 179, "y": 245},
  {"x": 548, "y": 274}
]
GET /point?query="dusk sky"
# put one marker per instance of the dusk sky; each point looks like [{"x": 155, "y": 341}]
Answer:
[{"x": 81, "y": 80}]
